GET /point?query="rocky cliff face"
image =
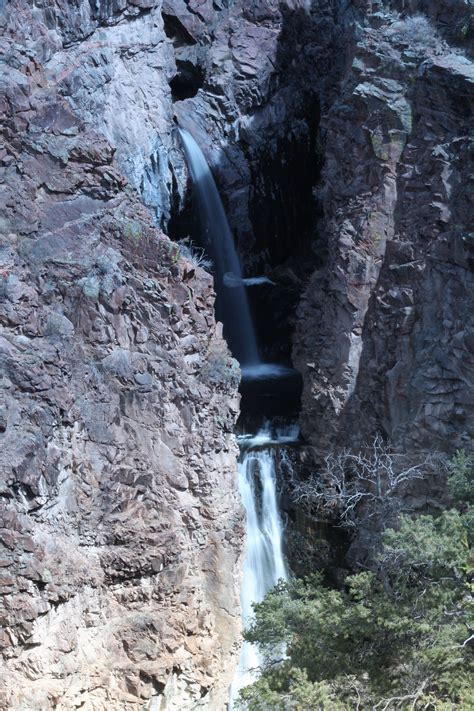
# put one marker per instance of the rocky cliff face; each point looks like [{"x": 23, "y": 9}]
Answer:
[
  {"x": 384, "y": 336},
  {"x": 120, "y": 523},
  {"x": 339, "y": 133}
]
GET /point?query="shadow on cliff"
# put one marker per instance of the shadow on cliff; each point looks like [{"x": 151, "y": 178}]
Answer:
[
  {"x": 286, "y": 156},
  {"x": 280, "y": 149}
]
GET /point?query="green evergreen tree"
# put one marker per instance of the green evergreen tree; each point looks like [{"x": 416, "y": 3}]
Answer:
[{"x": 397, "y": 637}]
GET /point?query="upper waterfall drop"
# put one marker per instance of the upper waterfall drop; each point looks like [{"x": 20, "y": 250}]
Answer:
[{"x": 232, "y": 305}]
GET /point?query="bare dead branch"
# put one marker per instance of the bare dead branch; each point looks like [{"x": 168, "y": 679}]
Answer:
[
  {"x": 401, "y": 699},
  {"x": 359, "y": 485}
]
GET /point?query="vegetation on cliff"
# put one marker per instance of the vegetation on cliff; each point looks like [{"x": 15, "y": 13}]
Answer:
[{"x": 396, "y": 636}]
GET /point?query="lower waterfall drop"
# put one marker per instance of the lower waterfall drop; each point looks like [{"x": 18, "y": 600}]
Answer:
[{"x": 264, "y": 563}]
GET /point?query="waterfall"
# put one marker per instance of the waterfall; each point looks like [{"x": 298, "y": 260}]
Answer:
[
  {"x": 264, "y": 563},
  {"x": 232, "y": 305}
]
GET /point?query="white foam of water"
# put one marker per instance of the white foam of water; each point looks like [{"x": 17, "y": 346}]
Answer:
[
  {"x": 232, "y": 280},
  {"x": 266, "y": 371},
  {"x": 268, "y": 436},
  {"x": 256, "y": 281},
  {"x": 264, "y": 563}
]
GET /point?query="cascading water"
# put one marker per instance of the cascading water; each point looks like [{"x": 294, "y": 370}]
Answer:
[
  {"x": 232, "y": 304},
  {"x": 264, "y": 563}
]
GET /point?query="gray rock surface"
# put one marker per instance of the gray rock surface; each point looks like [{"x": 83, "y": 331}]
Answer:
[
  {"x": 385, "y": 329},
  {"x": 121, "y": 527}
]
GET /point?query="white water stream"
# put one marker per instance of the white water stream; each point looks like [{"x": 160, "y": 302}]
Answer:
[
  {"x": 264, "y": 563},
  {"x": 232, "y": 304}
]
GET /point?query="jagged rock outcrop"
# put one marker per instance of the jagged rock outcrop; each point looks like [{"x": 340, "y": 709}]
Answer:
[
  {"x": 120, "y": 524},
  {"x": 385, "y": 330},
  {"x": 339, "y": 133}
]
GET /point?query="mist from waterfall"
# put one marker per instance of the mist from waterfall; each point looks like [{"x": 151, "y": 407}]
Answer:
[
  {"x": 264, "y": 563},
  {"x": 232, "y": 306}
]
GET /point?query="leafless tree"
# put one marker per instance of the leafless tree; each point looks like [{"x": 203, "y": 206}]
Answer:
[{"x": 360, "y": 486}]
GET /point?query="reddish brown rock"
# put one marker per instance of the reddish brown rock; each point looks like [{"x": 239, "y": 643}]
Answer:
[
  {"x": 118, "y": 588},
  {"x": 383, "y": 338}
]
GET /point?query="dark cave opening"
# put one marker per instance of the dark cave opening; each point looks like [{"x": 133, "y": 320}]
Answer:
[{"x": 187, "y": 81}]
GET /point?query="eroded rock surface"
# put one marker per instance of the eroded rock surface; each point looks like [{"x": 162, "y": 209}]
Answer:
[
  {"x": 385, "y": 329},
  {"x": 120, "y": 523}
]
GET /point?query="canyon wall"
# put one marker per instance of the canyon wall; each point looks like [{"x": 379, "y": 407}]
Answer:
[
  {"x": 340, "y": 136},
  {"x": 120, "y": 523}
]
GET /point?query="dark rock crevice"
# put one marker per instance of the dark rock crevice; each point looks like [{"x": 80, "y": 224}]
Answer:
[
  {"x": 268, "y": 169},
  {"x": 187, "y": 81},
  {"x": 177, "y": 32}
]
